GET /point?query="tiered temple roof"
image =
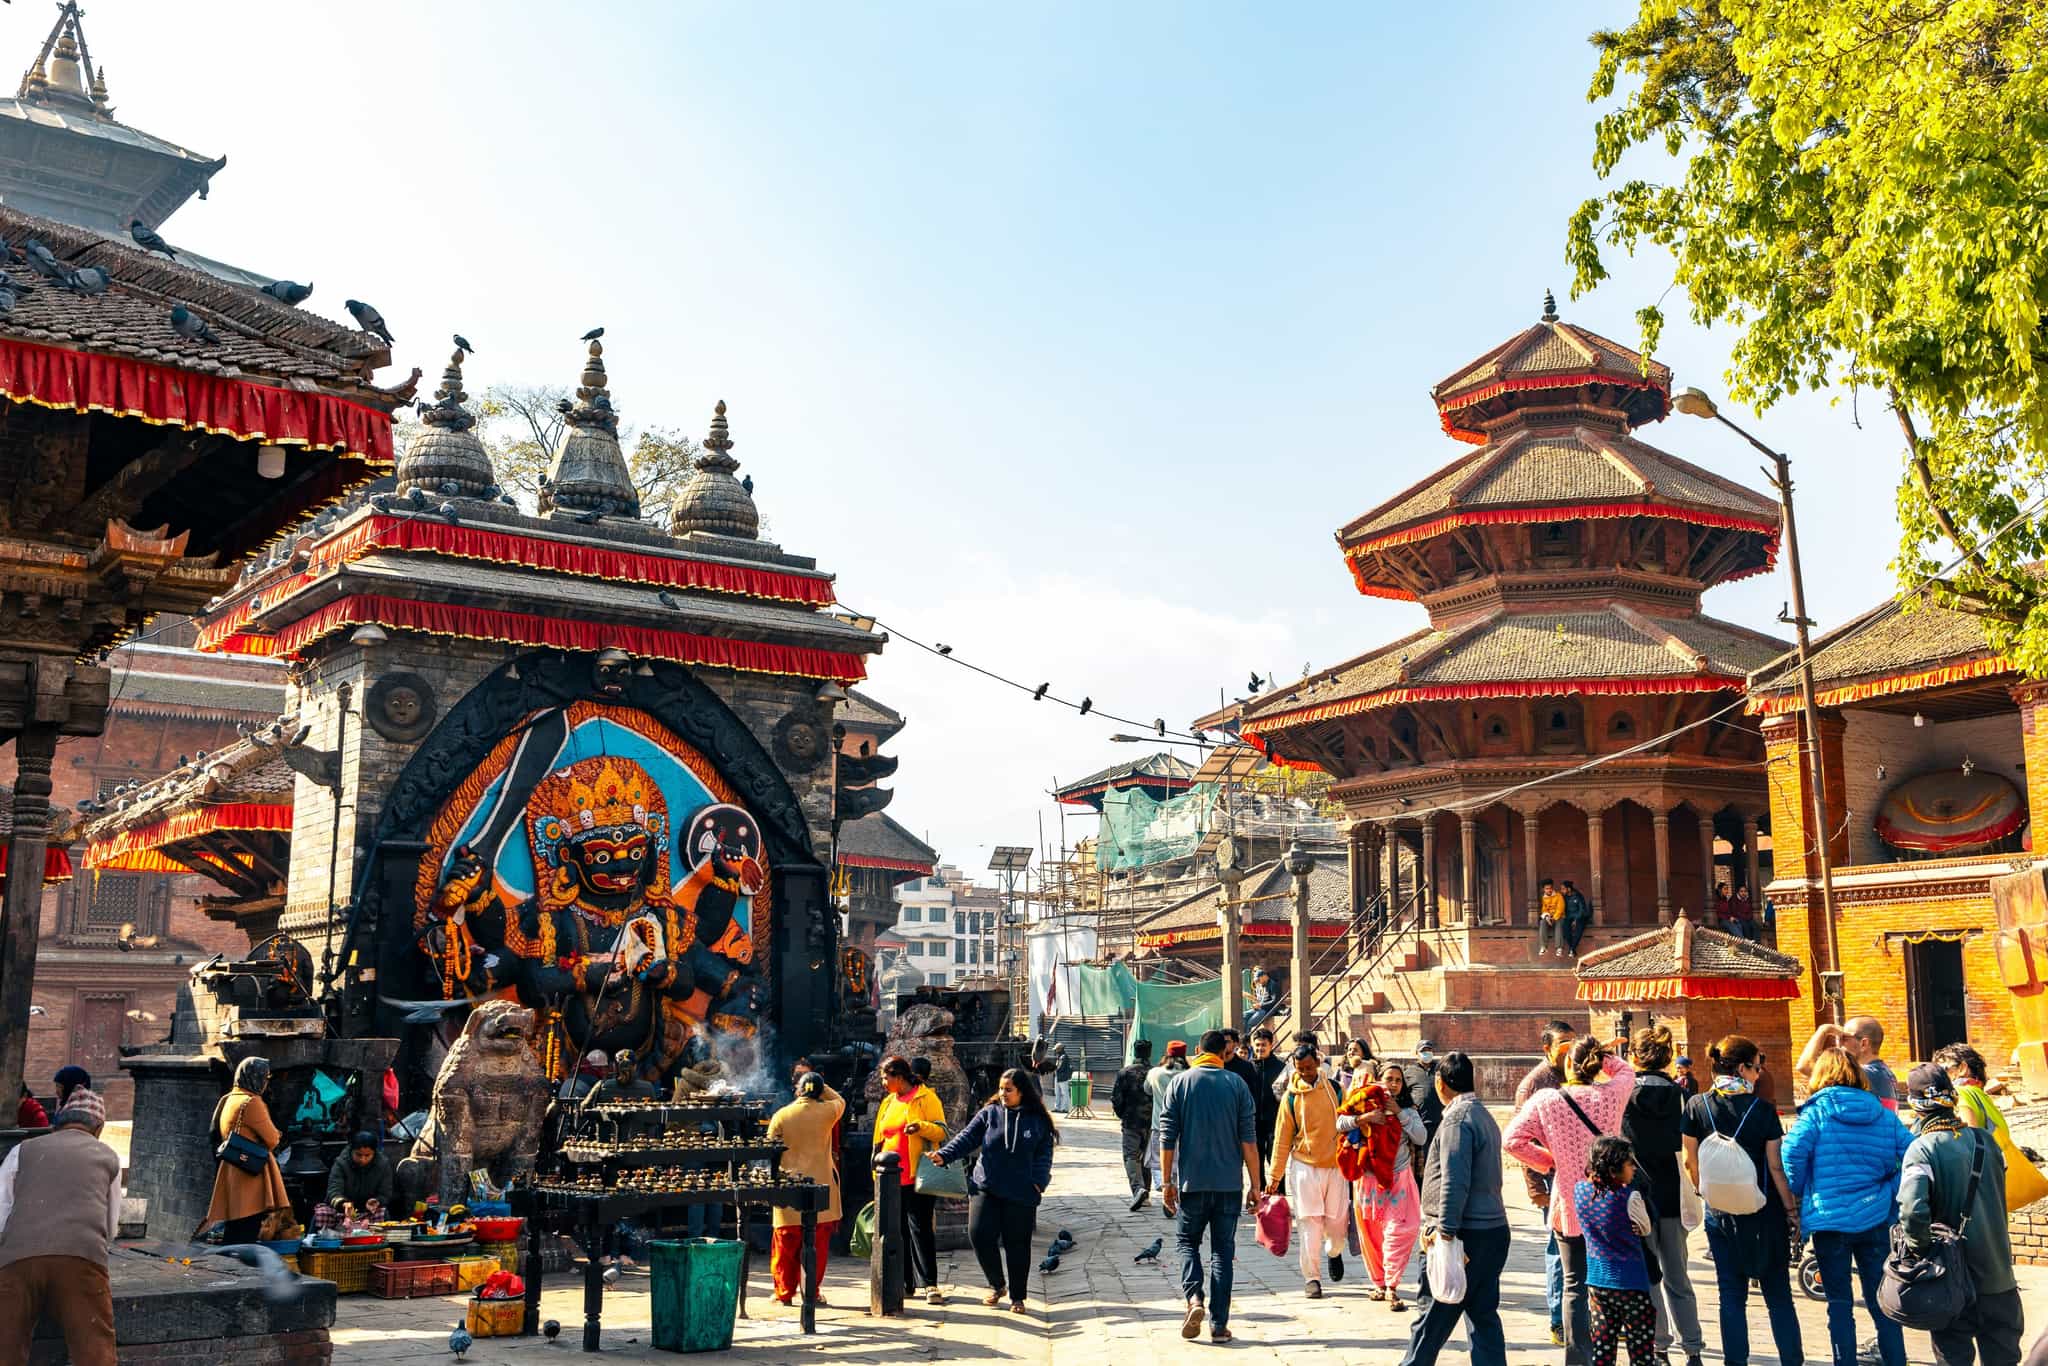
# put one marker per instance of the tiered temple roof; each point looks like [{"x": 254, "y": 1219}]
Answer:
[{"x": 1158, "y": 775}]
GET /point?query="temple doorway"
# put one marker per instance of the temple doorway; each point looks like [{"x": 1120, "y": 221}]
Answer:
[{"x": 1934, "y": 986}]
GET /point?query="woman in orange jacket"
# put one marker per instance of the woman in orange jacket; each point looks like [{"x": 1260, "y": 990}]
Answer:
[{"x": 910, "y": 1120}]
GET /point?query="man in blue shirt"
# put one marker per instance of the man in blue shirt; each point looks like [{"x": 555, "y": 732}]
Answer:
[{"x": 1208, "y": 1134}]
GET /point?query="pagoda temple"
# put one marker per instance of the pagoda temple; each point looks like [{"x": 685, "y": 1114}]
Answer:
[{"x": 1561, "y": 561}]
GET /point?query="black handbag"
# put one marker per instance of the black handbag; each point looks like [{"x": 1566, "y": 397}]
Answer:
[
  {"x": 1929, "y": 1291},
  {"x": 243, "y": 1154}
]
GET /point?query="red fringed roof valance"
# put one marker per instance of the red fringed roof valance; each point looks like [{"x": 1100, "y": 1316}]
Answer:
[
  {"x": 1784, "y": 703},
  {"x": 1566, "y": 513},
  {"x": 56, "y": 864},
  {"x": 1202, "y": 934},
  {"x": 521, "y": 628},
  {"x": 887, "y": 865},
  {"x": 1618, "y": 989},
  {"x": 1451, "y": 692},
  {"x": 1446, "y": 407},
  {"x": 52, "y": 377},
  {"x": 136, "y": 850}
]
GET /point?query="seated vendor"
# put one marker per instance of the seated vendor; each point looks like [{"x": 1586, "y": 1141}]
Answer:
[
  {"x": 625, "y": 1082},
  {"x": 361, "y": 1176}
]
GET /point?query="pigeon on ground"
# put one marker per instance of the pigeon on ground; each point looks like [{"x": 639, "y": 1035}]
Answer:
[
  {"x": 1050, "y": 1264},
  {"x": 90, "y": 280},
  {"x": 460, "y": 1341},
  {"x": 1061, "y": 1241},
  {"x": 463, "y": 342},
  {"x": 1151, "y": 1252},
  {"x": 369, "y": 319},
  {"x": 186, "y": 323},
  {"x": 44, "y": 261},
  {"x": 592, "y": 335},
  {"x": 288, "y": 291},
  {"x": 149, "y": 239},
  {"x": 551, "y": 1330}
]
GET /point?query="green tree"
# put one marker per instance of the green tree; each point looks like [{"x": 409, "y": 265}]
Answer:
[{"x": 1862, "y": 193}]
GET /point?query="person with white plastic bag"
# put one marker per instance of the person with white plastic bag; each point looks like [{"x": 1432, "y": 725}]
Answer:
[
  {"x": 1464, "y": 1224},
  {"x": 1653, "y": 1123},
  {"x": 1732, "y": 1138}
]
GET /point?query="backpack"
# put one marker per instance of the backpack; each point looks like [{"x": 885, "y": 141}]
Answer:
[
  {"x": 1928, "y": 1292},
  {"x": 1728, "y": 1178}
]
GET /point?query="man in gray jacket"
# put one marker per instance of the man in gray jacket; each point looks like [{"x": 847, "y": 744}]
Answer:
[
  {"x": 1461, "y": 1200},
  {"x": 60, "y": 1207}
]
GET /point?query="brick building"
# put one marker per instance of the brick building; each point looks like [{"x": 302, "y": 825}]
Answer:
[
  {"x": 1935, "y": 751},
  {"x": 168, "y": 703},
  {"x": 1568, "y": 712}
]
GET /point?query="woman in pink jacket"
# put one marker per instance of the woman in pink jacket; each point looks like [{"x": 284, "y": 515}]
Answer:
[{"x": 1554, "y": 1132}]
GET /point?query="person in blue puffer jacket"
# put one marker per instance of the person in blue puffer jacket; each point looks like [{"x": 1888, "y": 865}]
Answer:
[
  {"x": 1843, "y": 1157},
  {"x": 1012, "y": 1137}
]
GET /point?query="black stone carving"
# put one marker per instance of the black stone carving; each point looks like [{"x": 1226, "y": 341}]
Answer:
[{"x": 400, "y": 707}]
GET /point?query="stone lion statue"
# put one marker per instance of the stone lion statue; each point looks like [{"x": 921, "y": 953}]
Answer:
[{"x": 489, "y": 1101}]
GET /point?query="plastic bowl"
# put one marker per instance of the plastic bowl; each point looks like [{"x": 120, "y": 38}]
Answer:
[{"x": 499, "y": 1230}]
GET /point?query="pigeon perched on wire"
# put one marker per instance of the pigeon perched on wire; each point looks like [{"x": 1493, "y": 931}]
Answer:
[
  {"x": 460, "y": 1341},
  {"x": 1151, "y": 1251},
  {"x": 592, "y": 335},
  {"x": 463, "y": 342},
  {"x": 288, "y": 291},
  {"x": 369, "y": 319},
  {"x": 149, "y": 239},
  {"x": 188, "y": 324}
]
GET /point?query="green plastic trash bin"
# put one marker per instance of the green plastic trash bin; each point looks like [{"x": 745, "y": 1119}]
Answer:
[{"x": 696, "y": 1290}]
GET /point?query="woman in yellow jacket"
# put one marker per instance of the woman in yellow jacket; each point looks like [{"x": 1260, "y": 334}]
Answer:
[{"x": 910, "y": 1120}]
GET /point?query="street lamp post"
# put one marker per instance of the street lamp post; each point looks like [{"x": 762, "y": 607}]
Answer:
[
  {"x": 1300, "y": 863},
  {"x": 1695, "y": 403},
  {"x": 1228, "y": 873}
]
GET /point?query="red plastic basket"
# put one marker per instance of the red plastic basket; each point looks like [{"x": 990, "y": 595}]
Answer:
[{"x": 412, "y": 1280}]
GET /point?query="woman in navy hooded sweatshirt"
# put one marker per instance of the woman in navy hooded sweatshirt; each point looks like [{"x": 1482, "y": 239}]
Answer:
[
  {"x": 1843, "y": 1159},
  {"x": 1013, "y": 1136}
]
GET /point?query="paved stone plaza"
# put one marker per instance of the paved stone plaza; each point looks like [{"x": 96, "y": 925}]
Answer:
[{"x": 1101, "y": 1307}]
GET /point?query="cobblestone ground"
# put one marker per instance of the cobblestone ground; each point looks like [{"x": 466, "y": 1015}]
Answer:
[{"x": 1098, "y": 1307}]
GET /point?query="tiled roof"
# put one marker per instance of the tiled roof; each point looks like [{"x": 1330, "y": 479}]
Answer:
[
  {"x": 260, "y": 337},
  {"x": 1521, "y": 647},
  {"x": 245, "y": 771},
  {"x": 1267, "y": 897},
  {"x": 1152, "y": 769},
  {"x": 1711, "y": 953},
  {"x": 877, "y": 836},
  {"x": 1562, "y": 466},
  {"x": 862, "y": 712},
  {"x": 1885, "y": 641},
  {"x": 1551, "y": 347},
  {"x": 197, "y": 695}
]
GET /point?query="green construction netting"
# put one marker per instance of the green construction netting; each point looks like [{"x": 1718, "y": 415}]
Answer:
[
  {"x": 1137, "y": 831},
  {"x": 1157, "y": 1012}
]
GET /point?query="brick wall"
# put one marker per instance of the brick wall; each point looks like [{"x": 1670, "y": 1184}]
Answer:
[{"x": 2029, "y": 1228}]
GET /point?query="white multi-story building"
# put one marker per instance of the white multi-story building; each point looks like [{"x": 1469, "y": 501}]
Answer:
[{"x": 948, "y": 926}]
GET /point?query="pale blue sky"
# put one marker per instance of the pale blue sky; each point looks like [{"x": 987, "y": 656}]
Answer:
[{"x": 1066, "y": 334}]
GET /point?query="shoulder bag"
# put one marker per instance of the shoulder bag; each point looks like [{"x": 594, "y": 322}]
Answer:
[
  {"x": 1929, "y": 1291},
  {"x": 932, "y": 1179},
  {"x": 242, "y": 1153}
]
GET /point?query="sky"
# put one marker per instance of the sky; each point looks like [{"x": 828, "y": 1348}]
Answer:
[{"x": 1064, "y": 334}]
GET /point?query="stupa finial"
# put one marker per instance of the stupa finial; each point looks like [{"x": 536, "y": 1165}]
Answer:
[{"x": 1549, "y": 307}]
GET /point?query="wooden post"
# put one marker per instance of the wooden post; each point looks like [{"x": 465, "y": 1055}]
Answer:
[
  {"x": 21, "y": 913},
  {"x": 1660, "y": 823},
  {"x": 1393, "y": 870},
  {"x": 1707, "y": 915},
  {"x": 1427, "y": 882},
  {"x": 1529, "y": 869},
  {"x": 1594, "y": 824},
  {"x": 1468, "y": 885},
  {"x": 1752, "y": 871}
]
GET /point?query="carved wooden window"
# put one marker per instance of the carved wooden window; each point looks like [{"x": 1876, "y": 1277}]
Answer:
[
  {"x": 1495, "y": 731},
  {"x": 1621, "y": 727},
  {"x": 1561, "y": 726},
  {"x": 1554, "y": 541}
]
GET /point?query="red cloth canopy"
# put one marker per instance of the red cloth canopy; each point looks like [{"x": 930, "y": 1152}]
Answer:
[
  {"x": 56, "y": 864},
  {"x": 138, "y": 849},
  {"x": 1615, "y": 989}
]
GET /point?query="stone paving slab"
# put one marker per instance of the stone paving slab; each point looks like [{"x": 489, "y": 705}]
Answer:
[{"x": 1098, "y": 1308}]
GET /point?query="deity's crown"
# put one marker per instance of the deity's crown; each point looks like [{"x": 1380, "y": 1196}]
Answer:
[{"x": 611, "y": 797}]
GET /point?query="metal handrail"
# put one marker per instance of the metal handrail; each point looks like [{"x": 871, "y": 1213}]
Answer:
[
  {"x": 1322, "y": 997},
  {"x": 1389, "y": 936}
]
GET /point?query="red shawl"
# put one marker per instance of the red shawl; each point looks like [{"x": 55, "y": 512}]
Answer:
[{"x": 1377, "y": 1144}]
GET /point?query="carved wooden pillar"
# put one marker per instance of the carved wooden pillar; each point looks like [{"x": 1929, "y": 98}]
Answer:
[
  {"x": 1706, "y": 915},
  {"x": 1468, "y": 851},
  {"x": 1660, "y": 823},
  {"x": 1393, "y": 870},
  {"x": 1593, "y": 831},
  {"x": 1752, "y": 864},
  {"x": 1427, "y": 883},
  {"x": 1529, "y": 862},
  {"x": 21, "y": 912}
]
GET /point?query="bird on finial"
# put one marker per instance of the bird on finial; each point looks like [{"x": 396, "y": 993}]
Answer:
[
  {"x": 1549, "y": 307},
  {"x": 462, "y": 342},
  {"x": 592, "y": 335}
]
